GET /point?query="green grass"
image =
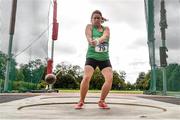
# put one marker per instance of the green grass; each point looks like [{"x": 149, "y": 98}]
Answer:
[
  {"x": 170, "y": 93},
  {"x": 98, "y": 91},
  {"x": 126, "y": 91}
]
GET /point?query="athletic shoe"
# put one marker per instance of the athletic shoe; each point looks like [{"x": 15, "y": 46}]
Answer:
[
  {"x": 103, "y": 105},
  {"x": 79, "y": 105}
]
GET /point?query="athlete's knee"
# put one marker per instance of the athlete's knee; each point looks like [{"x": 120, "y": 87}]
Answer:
[
  {"x": 109, "y": 76},
  {"x": 86, "y": 78},
  {"x": 109, "y": 81}
]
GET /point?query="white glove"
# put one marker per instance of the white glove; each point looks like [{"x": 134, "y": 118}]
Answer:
[{"x": 97, "y": 41}]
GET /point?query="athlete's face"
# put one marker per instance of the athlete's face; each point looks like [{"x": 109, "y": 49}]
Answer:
[{"x": 96, "y": 19}]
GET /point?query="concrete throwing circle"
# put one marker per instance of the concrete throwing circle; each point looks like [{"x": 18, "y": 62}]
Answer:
[{"x": 65, "y": 110}]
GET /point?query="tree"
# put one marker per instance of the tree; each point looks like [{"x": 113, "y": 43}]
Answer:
[
  {"x": 129, "y": 86},
  {"x": 141, "y": 82},
  {"x": 122, "y": 75},
  {"x": 118, "y": 80},
  {"x": 66, "y": 81},
  {"x": 146, "y": 81},
  {"x": 3, "y": 62},
  {"x": 97, "y": 80},
  {"x": 32, "y": 71},
  {"x": 3, "y": 58},
  {"x": 64, "y": 71}
]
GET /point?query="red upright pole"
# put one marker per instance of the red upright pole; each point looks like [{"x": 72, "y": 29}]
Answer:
[
  {"x": 54, "y": 37},
  {"x": 49, "y": 66},
  {"x": 55, "y": 24}
]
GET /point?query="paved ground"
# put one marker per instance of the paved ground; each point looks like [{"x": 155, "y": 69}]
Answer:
[
  {"x": 60, "y": 106},
  {"x": 12, "y": 97},
  {"x": 167, "y": 99}
]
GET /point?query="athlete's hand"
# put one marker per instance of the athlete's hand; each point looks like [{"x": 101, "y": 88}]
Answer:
[
  {"x": 93, "y": 42},
  {"x": 97, "y": 41}
]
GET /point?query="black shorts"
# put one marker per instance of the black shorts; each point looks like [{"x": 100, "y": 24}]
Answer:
[{"x": 96, "y": 63}]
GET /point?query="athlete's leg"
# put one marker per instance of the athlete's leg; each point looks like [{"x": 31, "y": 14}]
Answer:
[
  {"x": 88, "y": 72},
  {"x": 108, "y": 75}
]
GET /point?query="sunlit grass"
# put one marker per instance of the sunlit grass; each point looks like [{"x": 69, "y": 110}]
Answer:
[{"x": 98, "y": 91}]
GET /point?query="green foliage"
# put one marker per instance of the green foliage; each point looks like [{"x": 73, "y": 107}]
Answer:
[
  {"x": 28, "y": 76},
  {"x": 19, "y": 75},
  {"x": 172, "y": 75},
  {"x": 3, "y": 59},
  {"x": 174, "y": 78},
  {"x": 68, "y": 76},
  {"x": 129, "y": 86},
  {"x": 1, "y": 85},
  {"x": 159, "y": 80},
  {"x": 146, "y": 82},
  {"x": 22, "y": 86},
  {"x": 118, "y": 81},
  {"x": 3, "y": 62},
  {"x": 41, "y": 85},
  {"x": 31, "y": 72},
  {"x": 66, "y": 81},
  {"x": 97, "y": 80},
  {"x": 142, "y": 82}
]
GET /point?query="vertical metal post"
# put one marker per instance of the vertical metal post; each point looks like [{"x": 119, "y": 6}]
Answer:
[
  {"x": 164, "y": 81},
  {"x": 54, "y": 29},
  {"x": 54, "y": 34},
  {"x": 11, "y": 33},
  {"x": 163, "y": 25},
  {"x": 52, "y": 58},
  {"x": 52, "y": 50},
  {"x": 149, "y": 8}
]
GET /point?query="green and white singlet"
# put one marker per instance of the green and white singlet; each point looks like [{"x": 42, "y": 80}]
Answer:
[{"x": 101, "y": 51}]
